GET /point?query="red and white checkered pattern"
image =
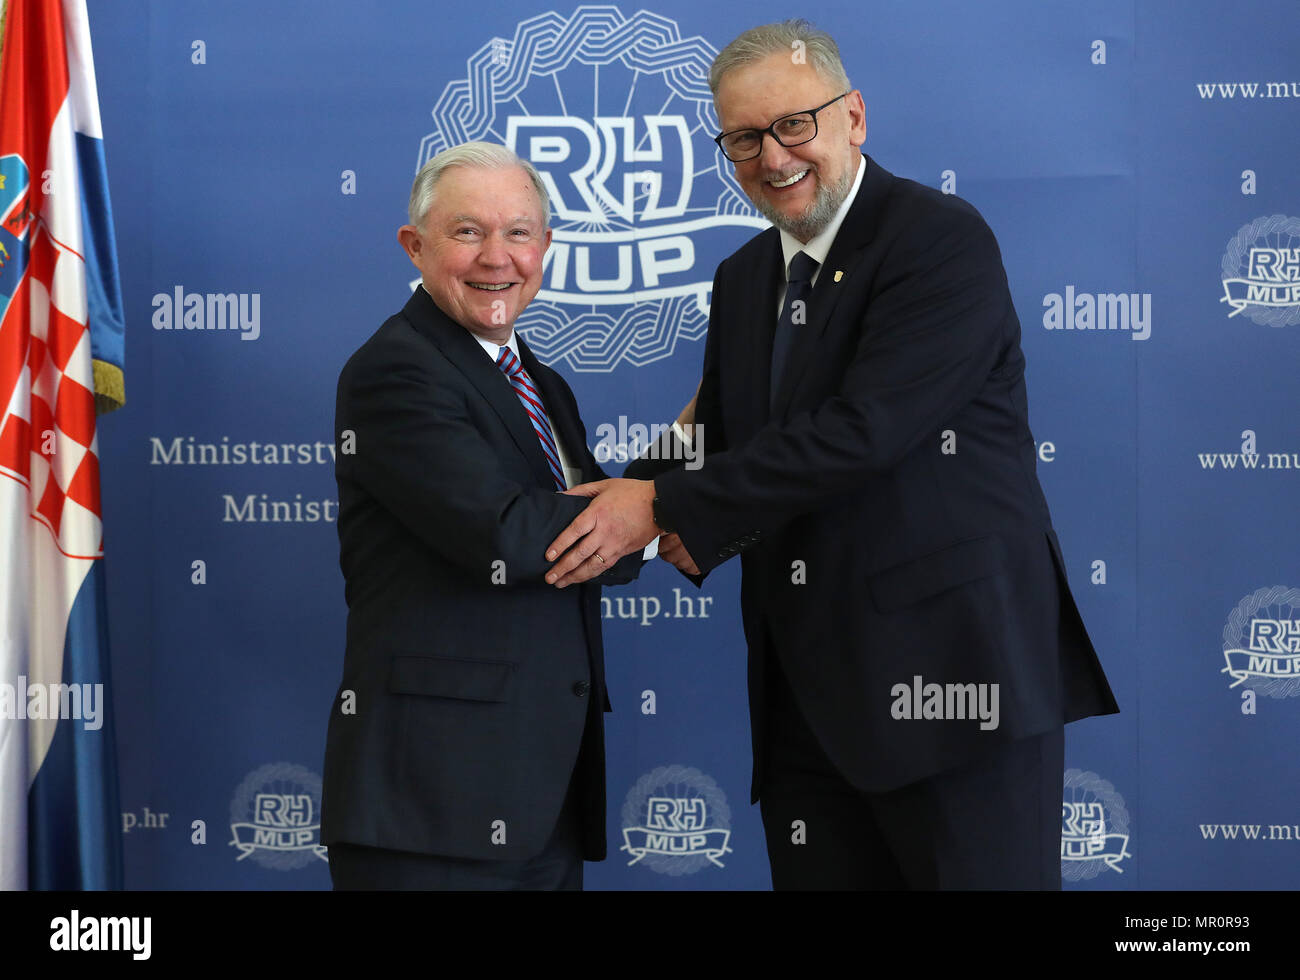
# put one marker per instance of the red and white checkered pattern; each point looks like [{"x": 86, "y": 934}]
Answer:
[{"x": 47, "y": 436}]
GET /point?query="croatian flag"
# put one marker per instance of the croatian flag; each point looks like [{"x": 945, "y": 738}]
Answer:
[{"x": 61, "y": 329}]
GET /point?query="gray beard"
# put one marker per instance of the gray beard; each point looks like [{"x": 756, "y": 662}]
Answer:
[{"x": 812, "y": 222}]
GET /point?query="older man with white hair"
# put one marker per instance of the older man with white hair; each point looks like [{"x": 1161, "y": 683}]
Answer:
[{"x": 465, "y": 746}]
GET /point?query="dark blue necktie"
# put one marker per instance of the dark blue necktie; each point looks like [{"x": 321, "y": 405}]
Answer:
[
  {"x": 793, "y": 316},
  {"x": 532, "y": 402}
]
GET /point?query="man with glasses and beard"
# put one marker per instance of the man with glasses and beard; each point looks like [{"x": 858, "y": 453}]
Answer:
[{"x": 915, "y": 651}]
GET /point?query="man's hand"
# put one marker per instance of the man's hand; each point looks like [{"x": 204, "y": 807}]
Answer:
[
  {"x": 618, "y": 521},
  {"x": 674, "y": 552}
]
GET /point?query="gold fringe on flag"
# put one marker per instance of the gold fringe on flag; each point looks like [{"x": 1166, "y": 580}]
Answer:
[{"x": 110, "y": 387}]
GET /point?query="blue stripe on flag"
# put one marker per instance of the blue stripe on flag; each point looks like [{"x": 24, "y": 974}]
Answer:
[
  {"x": 103, "y": 286},
  {"x": 74, "y": 832}
]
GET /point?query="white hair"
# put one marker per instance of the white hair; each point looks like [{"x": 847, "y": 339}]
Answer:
[
  {"x": 785, "y": 37},
  {"x": 484, "y": 156}
]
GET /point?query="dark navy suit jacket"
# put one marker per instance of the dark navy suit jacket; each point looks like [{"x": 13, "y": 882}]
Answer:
[
  {"x": 472, "y": 680},
  {"x": 887, "y": 510}
]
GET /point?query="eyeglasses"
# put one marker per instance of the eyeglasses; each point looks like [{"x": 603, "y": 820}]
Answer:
[{"x": 792, "y": 130}]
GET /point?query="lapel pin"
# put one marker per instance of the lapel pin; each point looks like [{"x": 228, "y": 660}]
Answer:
[{"x": 839, "y": 274}]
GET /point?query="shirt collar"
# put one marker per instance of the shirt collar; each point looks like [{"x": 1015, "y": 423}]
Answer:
[
  {"x": 494, "y": 350},
  {"x": 820, "y": 246}
]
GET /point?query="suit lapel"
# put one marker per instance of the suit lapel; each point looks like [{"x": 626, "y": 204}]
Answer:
[
  {"x": 461, "y": 349},
  {"x": 845, "y": 257}
]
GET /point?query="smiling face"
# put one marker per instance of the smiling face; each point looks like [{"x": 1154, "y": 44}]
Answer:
[
  {"x": 797, "y": 188},
  {"x": 480, "y": 247}
]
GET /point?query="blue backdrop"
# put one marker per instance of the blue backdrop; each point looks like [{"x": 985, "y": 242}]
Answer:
[{"x": 1137, "y": 161}]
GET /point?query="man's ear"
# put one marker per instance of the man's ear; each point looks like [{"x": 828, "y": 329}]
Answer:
[
  {"x": 546, "y": 242},
  {"x": 857, "y": 118},
  {"x": 408, "y": 236}
]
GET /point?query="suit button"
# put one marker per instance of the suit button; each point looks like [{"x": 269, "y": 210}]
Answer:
[{"x": 581, "y": 688}]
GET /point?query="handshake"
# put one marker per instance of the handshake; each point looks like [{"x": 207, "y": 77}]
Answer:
[{"x": 618, "y": 521}]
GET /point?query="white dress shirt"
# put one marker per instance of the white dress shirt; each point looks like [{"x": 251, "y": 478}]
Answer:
[{"x": 820, "y": 246}]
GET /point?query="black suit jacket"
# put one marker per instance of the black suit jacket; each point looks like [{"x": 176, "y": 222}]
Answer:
[
  {"x": 472, "y": 680},
  {"x": 888, "y": 510}
]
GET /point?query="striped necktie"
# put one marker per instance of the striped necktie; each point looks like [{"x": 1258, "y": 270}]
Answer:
[{"x": 532, "y": 402}]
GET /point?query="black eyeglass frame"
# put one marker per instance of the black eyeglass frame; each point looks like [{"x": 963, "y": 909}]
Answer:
[{"x": 771, "y": 131}]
